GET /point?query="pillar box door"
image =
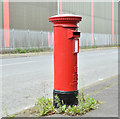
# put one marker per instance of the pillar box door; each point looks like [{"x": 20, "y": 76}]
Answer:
[{"x": 66, "y": 47}]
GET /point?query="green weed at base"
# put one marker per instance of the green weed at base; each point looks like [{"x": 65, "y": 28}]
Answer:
[
  {"x": 85, "y": 104},
  {"x": 44, "y": 106},
  {"x": 6, "y": 113},
  {"x": 60, "y": 107}
]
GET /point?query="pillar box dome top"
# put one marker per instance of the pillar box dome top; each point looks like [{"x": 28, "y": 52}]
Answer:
[{"x": 65, "y": 18}]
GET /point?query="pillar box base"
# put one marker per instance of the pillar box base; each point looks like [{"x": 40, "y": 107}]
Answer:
[{"x": 68, "y": 97}]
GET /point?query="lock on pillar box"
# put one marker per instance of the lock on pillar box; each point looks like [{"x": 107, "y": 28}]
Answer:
[{"x": 66, "y": 47}]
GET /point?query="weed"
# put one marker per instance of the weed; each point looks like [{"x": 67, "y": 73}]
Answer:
[
  {"x": 32, "y": 50},
  {"x": 6, "y": 113},
  {"x": 19, "y": 50},
  {"x": 44, "y": 106},
  {"x": 24, "y": 50},
  {"x": 57, "y": 101},
  {"x": 85, "y": 104},
  {"x": 94, "y": 47},
  {"x": 11, "y": 116},
  {"x": 60, "y": 107}
]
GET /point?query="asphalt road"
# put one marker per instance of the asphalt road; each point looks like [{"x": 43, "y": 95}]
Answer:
[{"x": 26, "y": 78}]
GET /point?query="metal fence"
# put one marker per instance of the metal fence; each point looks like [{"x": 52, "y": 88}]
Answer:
[
  {"x": 42, "y": 39},
  {"x": 99, "y": 40},
  {"x": 28, "y": 39}
]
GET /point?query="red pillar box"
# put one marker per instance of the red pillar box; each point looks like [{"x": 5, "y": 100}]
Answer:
[{"x": 66, "y": 47}]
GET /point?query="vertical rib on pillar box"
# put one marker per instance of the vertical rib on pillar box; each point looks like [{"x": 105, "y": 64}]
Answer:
[{"x": 66, "y": 47}]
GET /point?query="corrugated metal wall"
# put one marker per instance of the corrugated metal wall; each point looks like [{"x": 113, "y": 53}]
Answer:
[
  {"x": 1, "y": 35},
  {"x": 119, "y": 23},
  {"x": 102, "y": 15},
  {"x": 32, "y": 15},
  {"x": 102, "y": 22},
  {"x": 0, "y": 15}
]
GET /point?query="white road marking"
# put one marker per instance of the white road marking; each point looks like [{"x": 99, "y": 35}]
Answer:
[{"x": 17, "y": 63}]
